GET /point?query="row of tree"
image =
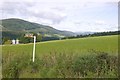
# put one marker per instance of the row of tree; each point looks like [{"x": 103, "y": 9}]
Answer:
[
  {"x": 95, "y": 34},
  {"x": 23, "y": 39},
  {"x": 40, "y": 37}
]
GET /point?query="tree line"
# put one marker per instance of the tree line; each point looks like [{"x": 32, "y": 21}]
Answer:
[
  {"x": 94, "y": 34},
  {"x": 6, "y": 37}
]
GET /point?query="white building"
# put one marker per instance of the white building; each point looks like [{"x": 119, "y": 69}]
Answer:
[
  {"x": 17, "y": 41},
  {"x": 13, "y": 41}
]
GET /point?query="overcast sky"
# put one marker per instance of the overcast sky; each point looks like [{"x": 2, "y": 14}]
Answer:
[{"x": 70, "y": 15}]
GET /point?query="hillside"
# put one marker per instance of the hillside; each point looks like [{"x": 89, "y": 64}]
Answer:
[{"x": 19, "y": 25}]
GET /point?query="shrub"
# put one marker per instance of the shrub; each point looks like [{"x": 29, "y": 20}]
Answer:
[{"x": 62, "y": 65}]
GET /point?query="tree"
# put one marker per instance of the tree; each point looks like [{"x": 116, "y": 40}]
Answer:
[
  {"x": 8, "y": 42},
  {"x": 39, "y": 38},
  {"x": 4, "y": 39},
  {"x": 25, "y": 39}
]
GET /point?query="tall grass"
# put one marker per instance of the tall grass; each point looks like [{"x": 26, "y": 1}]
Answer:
[{"x": 61, "y": 65}]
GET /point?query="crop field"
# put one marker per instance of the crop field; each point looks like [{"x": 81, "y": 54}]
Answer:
[{"x": 62, "y": 58}]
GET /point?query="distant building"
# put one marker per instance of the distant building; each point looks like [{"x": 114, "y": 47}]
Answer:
[
  {"x": 28, "y": 35},
  {"x": 17, "y": 41},
  {"x": 13, "y": 41}
]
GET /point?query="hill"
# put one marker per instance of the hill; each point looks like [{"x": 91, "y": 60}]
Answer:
[{"x": 22, "y": 26}]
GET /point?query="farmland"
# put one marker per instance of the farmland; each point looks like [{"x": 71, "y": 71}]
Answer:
[{"x": 55, "y": 57}]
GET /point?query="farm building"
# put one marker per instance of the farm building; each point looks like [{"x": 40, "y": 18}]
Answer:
[
  {"x": 28, "y": 35},
  {"x": 17, "y": 41},
  {"x": 13, "y": 41}
]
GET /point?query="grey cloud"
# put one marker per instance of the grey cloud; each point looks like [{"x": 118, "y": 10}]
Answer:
[
  {"x": 14, "y": 7},
  {"x": 81, "y": 23},
  {"x": 23, "y": 10},
  {"x": 8, "y": 8},
  {"x": 59, "y": 8},
  {"x": 54, "y": 16},
  {"x": 98, "y": 23}
]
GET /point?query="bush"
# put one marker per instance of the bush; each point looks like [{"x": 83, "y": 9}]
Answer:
[{"x": 61, "y": 65}]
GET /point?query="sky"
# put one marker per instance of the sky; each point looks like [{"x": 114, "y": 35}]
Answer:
[{"x": 70, "y": 15}]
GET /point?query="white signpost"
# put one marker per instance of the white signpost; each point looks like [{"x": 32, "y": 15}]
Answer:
[{"x": 34, "y": 49}]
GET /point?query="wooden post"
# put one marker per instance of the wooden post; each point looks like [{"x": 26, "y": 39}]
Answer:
[{"x": 34, "y": 49}]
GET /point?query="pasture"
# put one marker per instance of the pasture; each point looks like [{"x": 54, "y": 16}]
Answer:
[
  {"x": 82, "y": 45},
  {"x": 53, "y": 56}
]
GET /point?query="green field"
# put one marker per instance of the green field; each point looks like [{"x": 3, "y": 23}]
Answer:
[
  {"x": 66, "y": 48},
  {"x": 82, "y": 45}
]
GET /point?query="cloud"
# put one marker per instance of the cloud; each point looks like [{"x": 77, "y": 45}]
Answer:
[
  {"x": 33, "y": 10},
  {"x": 60, "y": 1},
  {"x": 90, "y": 23},
  {"x": 95, "y": 26},
  {"x": 72, "y": 15},
  {"x": 15, "y": 8},
  {"x": 55, "y": 16},
  {"x": 100, "y": 22}
]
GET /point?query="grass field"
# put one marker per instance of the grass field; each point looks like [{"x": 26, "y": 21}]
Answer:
[{"x": 81, "y": 47}]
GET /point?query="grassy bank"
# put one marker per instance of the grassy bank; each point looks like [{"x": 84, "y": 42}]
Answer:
[{"x": 61, "y": 65}]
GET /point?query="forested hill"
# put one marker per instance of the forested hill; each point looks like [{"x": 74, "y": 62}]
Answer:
[{"x": 19, "y": 25}]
